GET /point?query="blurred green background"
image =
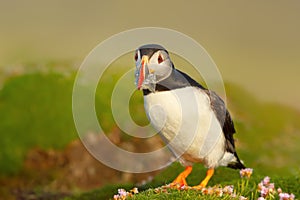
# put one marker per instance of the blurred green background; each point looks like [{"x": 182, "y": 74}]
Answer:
[{"x": 255, "y": 45}]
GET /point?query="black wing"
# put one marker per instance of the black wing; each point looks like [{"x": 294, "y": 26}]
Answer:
[
  {"x": 219, "y": 108},
  {"x": 223, "y": 116},
  {"x": 217, "y": 105}
]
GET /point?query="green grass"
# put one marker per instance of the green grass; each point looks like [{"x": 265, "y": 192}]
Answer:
[
  {"x": 243, "y": 188},
  {"x": 266, "y": 133},
  {"x": 105, "y": 192},
  {"x": 35, "y": 111},
  {"x": 222, "y": 177}
]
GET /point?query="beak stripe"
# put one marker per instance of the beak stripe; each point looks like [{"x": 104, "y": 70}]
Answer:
[
  {"x": 142, "y": 72},
  {"x": 142, "y": 76}
]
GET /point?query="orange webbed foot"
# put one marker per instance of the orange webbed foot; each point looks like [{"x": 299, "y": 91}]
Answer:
[
  {"x": 209, "y": 174},
  {"x": 181, "y": 178}
]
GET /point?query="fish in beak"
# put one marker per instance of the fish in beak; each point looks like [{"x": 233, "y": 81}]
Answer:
[{"x": 145, "y": 78}]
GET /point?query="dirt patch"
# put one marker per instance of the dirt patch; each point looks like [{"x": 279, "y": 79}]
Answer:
[{"x": 49, "y": 174}]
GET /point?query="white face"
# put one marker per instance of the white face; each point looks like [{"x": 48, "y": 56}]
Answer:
[
  {"x": 155, "y": 69},
  {"x": 161, "y": 64}
]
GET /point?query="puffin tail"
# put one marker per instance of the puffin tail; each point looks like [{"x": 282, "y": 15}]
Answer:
[{"x": 237, "y": 164}]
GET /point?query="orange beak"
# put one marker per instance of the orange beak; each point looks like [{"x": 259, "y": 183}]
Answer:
[{"x": 142, "y": 72}]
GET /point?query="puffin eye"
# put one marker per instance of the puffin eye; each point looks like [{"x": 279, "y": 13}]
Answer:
[
  {"x": 135, "y": 56},
  {"x": 160, "y": 59}
]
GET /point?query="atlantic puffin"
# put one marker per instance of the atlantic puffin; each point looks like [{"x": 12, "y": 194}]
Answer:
[{"x": 192, "y": 120}]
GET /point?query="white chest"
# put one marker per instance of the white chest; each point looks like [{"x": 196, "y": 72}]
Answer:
[
  {"x": 185, "y": 121},
  {"x": 177, "y": 110}
]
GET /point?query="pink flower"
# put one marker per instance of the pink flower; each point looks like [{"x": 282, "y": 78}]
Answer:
[
  {"x": 266, "y": 188},
  {"x": 246, "y": 172},
  {"x": 266, "y": 180},
  {"x": 233, "y": 195},
  {"x": 260, "y": 186},
  {"x": 292, "y": 196},
  {"x": 182, "y": 187},
  {"x": 122, "y": 192},
  {"x": 219, "y": 192},
  {"x": 286, "y": 196},
  {"x": 261, "y": 198},
  {"x": 271, "y": 188},
  {"x": 264, "y": 191},
  {"x": 228, "y": 189}
]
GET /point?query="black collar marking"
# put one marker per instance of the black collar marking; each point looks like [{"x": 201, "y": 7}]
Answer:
[{"x": 177, "y": 79}]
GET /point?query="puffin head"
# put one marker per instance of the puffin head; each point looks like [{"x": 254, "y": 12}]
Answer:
[{"x": 153, "y": 64}]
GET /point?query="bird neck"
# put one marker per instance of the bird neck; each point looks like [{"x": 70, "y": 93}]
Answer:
[{"x": 175, "y": 80}]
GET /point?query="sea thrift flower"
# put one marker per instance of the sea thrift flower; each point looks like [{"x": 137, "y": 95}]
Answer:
[
  {"x": 266, "y": 180},
  {"x": 122, "y": 193},
  {"x": 210, "y": 191},
  {"x": 271, "y": 188},
  {"x": 266, "y": 188},
  {"x": 261, "y": 198},
  {"x": 219, "y": 192},
  {"x": 292, "y": 196},
  {"x": 182, "y": 187},
  {"x": 286, "y": 196},
  {"x": 243, "y": 198},
  {"x": 246, "y": 172},
  {"x": 264, "y": 191},
  {"x": 228, "y": 189}
]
